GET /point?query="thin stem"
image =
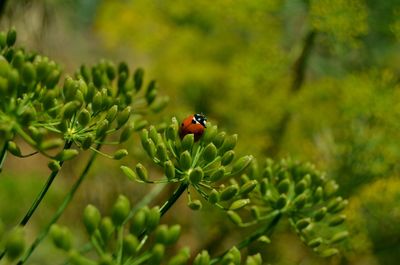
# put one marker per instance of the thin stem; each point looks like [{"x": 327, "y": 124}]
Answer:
[
  {"x": 3, "y": 155},
  {"x": 43, "y": 192},
  {"x": 61, "y": 209},
  {"x": 263, "y": 231},
  {"x": 175, "y": 196}
]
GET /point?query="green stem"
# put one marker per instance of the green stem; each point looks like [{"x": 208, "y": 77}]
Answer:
[
  {"x": 175, "y": 196},
  {"x": 263, "y": 231},
  {"x": 3, "y": 155},
  {"x": 61, "y": 209},
  {"x": 43, "y": 192}
]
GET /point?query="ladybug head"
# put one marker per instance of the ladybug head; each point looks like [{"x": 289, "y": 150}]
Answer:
[{"x": 200, "y": 118}]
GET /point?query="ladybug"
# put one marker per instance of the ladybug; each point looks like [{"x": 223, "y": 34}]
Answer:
[{"x": 194, "y": 124}]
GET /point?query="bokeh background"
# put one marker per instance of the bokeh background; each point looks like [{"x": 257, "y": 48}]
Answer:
[{"x": 315, "y": 80}]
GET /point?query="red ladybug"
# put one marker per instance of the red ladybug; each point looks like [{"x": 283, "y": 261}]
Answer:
[{"x": 194, "y": 124}]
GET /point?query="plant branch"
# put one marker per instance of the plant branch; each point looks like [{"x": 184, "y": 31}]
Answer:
[
  {"x": 61, "y": 209},
  {"x": 43, "y": 192},
  {"x": 267, "y": 230}
]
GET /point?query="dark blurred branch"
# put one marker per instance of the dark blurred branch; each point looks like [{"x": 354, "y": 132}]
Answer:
[
  {"x": 3, "y": 4},
  {"x": 299, "y": 71}
]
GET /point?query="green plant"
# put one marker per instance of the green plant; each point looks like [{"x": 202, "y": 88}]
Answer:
[{"x": 98, "y": 102}]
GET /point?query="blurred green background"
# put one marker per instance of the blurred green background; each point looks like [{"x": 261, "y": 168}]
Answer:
[{"x": 316, "y": 80}]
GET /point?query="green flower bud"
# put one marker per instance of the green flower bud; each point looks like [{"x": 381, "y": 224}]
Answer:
[
  {"x": 157, "y": 254},
  {"x": 196, "y": 175},
  {"x": 202, "y": 258},
  {"x": 84, "y": 117},
  {"x": 120, "y": 210},
  {"x": 241, "y": 164},
  {"x": 300, "y": 201},
  {"x": 89, "y": 96},
  {"x": 28, "y": 73},
  {"x": 130, "y": 244},
  {"x": 149, "y": 147},
  {"x": 219, "y": 139},
  {"x": 48, "y": 99},
  {"x": 213, "y": 197},
  {"x": 195, "y": 205},
  {"x": 187, "y": 142},
  {"x": 13, "y": 148},
  {"x": 162, "y": 152},
  {"x": 316, "y": 242},
  {"x": 236, "y": 205},
  {"x": 70, "y": 88},
  {"x": 112, "y": 113},
  {"x": 153, "y": 218},
  {"x": 122, "y": 78},
  {"x": 300, "y": 187},
  {"x": 141, "y": 172},
  {"x": 52, "y": 79},
  {"x": 337, "y": 220},
  {"x": 111, "y": 71},
  {"x": 339, "y": 207},
  {"x": 227, "y": 158},
  {"x": 11, "y": 37},
  {"x": 97, "y": 102},
  {"x": 283, "y": 186},
  {"x": 129, "y": 173},
  {"x": 87, "y": 141},
  {"x": 185, "y": 160},
  {"x": 85, "y": 72},
  {"x": 91, "y": 218},
  {"x": 217, "y": 175},
  {"x": 123, "y": 117},
  {"x": 334, "y": 203},
  {"x": 106, "y": 228},
  {"x": 339, "y": 237},
  {"x": 281, "y": 202},
  {"x": 27, "y": 116},
  {"x": 169, "y": 170},
  {"x": 330, "y": 188},
  {"x": 180, "y": 259},
  {"x": 70, "y": 109},
  {"x": 161, "y": 234},
  {"x": 173, "y": 234},
  {"x": 42, "y": 69},
  {"x": 15, "y": 243},
  {"x": 106, "y": 259},
  {"x": 18, "y": 60},
  {"x": 254, "y": 260},
  {"x": 54, "y": 165},
  {"x": 3, "y": 86},
  {"x": 159, "y": 104},
  {"x": 234, "y": 217},
  {"x": 329, "y": 252},
  {"x": 77, "y": 259},
  {"x": 139, "y": 221},
  {"x": 61, "y": 237},
  {"x": 320, "y": 214},
  {"x": 248, "y": 187},
  {"x": 120, "y": 154},
  {"x": 303, "y": 223},
  {"x": 210, "y": 152},
  {"x": 151, "y": 92},
  {"x": 263, "y": 186},
  {"x": 229, "y": 143},
  {"x": 318, "y": 194},
  {"x": 210, "y": 134},
  {"x": 138, "y": 77},
  {"x": 102, "y": 128},
  {"x": 228, "y": 193},
  {"x": 123, "y": 68},
  {"x": 66, "y": 154},
  {"x": 126, "y": 133},
  {"x": 140, "y": 125},
  {"x": 172, "y": 132},
  {"x": 51, "y": 144},
  {"x": 236, "y": 255}
]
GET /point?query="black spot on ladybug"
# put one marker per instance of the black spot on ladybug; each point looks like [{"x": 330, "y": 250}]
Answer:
[{"x": 194, "y": 121}]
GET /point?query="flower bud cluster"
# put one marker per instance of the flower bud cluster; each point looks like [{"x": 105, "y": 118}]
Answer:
[
  {"x": 233, "y": 256},
  {"x": 207, "y": 166},
  {"x": 48, "y": 113},
  {"x": 303, "y": 194}
]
